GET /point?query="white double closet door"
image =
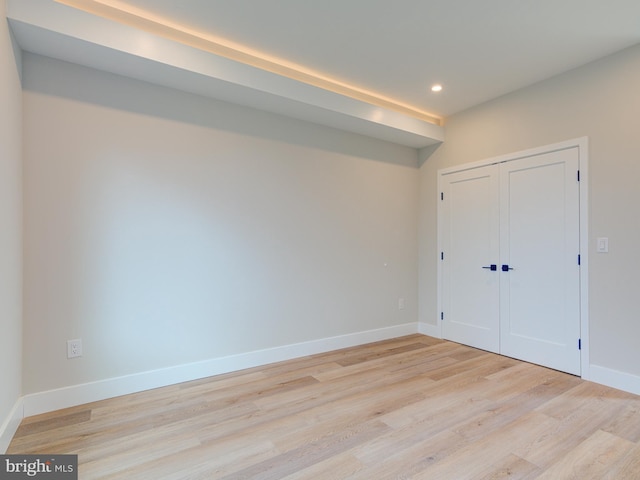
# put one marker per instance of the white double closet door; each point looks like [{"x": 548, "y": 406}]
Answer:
[{"x": 510, "y": 275}]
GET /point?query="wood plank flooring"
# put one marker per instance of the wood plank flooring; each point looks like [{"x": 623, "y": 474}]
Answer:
[{"x": 409, "y": 408}]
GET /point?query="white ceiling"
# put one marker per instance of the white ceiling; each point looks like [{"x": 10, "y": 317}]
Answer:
[{"x": 478, "y": 49}]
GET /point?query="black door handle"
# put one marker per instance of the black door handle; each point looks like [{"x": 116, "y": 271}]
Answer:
[
  {"x": 506, "y": 268},
  {"x": 492, "y": 267}
]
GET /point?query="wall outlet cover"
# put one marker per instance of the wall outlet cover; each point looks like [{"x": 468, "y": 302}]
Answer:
[{"x": 74, "y": 348}]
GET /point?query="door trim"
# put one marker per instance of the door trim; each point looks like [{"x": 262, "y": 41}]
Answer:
[{"x": 582, "y": 143}]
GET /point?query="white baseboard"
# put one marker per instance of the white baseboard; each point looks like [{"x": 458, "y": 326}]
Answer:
[
  {"x": 11, "y": 424},
  {"x": 429, "y": 329},
  {"x": 65, "y": 397},
  {"x": 615, "y": 379}
]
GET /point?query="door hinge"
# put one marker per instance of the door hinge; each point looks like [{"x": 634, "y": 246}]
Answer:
[
  {"x": 578, "y": 175},
  {"x": 441, "y": 195},
  {"x": 578, "y": 259},
  {"x": 441, "y": 315},
  {"x": 441, "y": 255},
  {"x": 579, "y": 344}
]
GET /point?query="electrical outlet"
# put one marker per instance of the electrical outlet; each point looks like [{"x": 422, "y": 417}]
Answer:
[
  {"x": 401, "y": 304},
  {"x": 74, "y": 348}
]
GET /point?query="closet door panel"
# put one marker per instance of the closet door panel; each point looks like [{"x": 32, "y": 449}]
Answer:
[
  {"x": 470, "y": 236},
  {"x": 539, "y": 289}
]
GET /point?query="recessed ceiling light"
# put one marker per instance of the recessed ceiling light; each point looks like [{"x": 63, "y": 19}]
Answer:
[{"x": 436, "y": 88}]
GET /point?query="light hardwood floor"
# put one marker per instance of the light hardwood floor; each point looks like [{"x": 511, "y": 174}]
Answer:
[{"x": 409, "y": 408}]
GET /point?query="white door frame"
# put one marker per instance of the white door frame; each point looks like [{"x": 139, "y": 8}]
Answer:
[{"x": 582, "y": 144}]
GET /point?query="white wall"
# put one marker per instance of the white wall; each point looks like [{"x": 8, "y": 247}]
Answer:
[
  {"x": 601, "y": 101},
  {"x": 10, "y": 228},
  {"x": 163, "y": 228}
]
